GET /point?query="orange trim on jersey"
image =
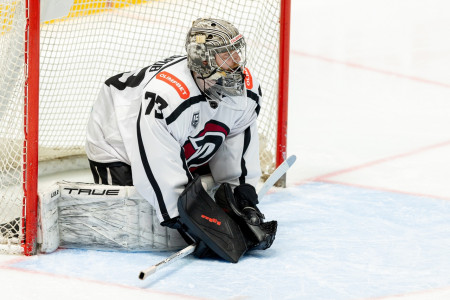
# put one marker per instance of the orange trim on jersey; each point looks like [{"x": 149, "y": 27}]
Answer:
[
  {"x": 174, "y": 82},
  {"x": 248, "y": 79}
]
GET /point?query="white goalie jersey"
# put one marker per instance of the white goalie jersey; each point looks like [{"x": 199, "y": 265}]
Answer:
[{"x": 159, "y": 122}]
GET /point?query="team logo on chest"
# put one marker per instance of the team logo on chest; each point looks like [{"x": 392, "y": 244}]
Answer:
[
  {"x": 195, "y": 119},
  {"x": 200, "y": 149}
]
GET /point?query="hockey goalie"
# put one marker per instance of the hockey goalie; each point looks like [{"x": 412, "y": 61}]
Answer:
[{"x": 152, "y": 135}]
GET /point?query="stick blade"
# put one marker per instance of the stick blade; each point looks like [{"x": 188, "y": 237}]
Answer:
[
  {"x": 277, "y": 174},
  {"x": 291, "y": 160}
]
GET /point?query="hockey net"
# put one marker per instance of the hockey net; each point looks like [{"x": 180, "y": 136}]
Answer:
[{"x": 98, "y": 39}]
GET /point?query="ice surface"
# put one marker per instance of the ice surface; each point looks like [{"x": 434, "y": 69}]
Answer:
[
  {"x": 367, "y": 213},
  {"x": 333, "y": 242}
]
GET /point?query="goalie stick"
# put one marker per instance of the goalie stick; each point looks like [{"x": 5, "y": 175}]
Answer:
[
  {"x": 280, "y": 171},
  {"x": 277, "y": 174},
  {"x": 180, "y": 254}
]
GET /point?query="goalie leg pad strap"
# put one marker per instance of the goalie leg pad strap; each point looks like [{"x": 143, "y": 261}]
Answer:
[{"x": 206, "y": 222}]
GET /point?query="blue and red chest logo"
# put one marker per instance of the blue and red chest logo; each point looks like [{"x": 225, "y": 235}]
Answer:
[{"x": 199, "y": 149}]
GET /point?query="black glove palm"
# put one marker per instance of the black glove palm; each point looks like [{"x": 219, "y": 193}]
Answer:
[
  {"x": 246, "y": 199},
  {"x": 240, "y": 205}
]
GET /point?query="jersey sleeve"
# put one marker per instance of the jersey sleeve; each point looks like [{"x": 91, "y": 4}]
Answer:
[{"x": 160, "y": 173}]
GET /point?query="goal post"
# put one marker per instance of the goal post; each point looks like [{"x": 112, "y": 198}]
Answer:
[
  {"x": 283, "y": 85},
  {"x": 31, "y": 128},
  {"x": 52, "y": 72}
]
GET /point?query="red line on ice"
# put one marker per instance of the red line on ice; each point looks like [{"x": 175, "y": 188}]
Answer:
[
  {"x": 382, "y": 160},
  {"x": 367, "y": 68}
]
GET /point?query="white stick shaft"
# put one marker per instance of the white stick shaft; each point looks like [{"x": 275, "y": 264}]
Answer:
[
  {"x": 280, "y": 171},
  {"x": 164, "y": 263}
]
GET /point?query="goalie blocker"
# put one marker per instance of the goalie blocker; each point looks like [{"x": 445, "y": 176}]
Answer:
[{"x": 223, "y": 227}]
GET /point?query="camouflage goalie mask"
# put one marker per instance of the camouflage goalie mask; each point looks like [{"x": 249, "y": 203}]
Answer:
[{"x": 216, "y": 52}]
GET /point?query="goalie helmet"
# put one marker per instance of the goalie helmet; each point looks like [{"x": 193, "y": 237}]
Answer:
[{"x": 216, "y": 51}]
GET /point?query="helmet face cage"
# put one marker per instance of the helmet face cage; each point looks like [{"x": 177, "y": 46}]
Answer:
[
  {"x": 229, "y": 63},
  {"x": 217, "y": 52},
  {"x": 228, "y": 58}
]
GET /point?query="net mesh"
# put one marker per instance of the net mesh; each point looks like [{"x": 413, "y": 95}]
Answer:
[
  {"x": 12, "y": 85},
  {"x": 99, "y": 39}
]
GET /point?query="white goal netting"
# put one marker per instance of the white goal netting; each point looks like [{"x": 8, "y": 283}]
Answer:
[{"x": 98, "y": 39}]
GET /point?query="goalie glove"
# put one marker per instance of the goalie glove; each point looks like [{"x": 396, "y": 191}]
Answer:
[
  {"x": 241, "y": 207},
  {"x": 246, "y": 200}
]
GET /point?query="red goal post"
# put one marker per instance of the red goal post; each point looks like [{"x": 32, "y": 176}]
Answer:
[{"x": 64, "y": 61}]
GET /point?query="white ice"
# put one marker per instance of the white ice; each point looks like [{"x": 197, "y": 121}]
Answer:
[{"x": 367, "y": 211}]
